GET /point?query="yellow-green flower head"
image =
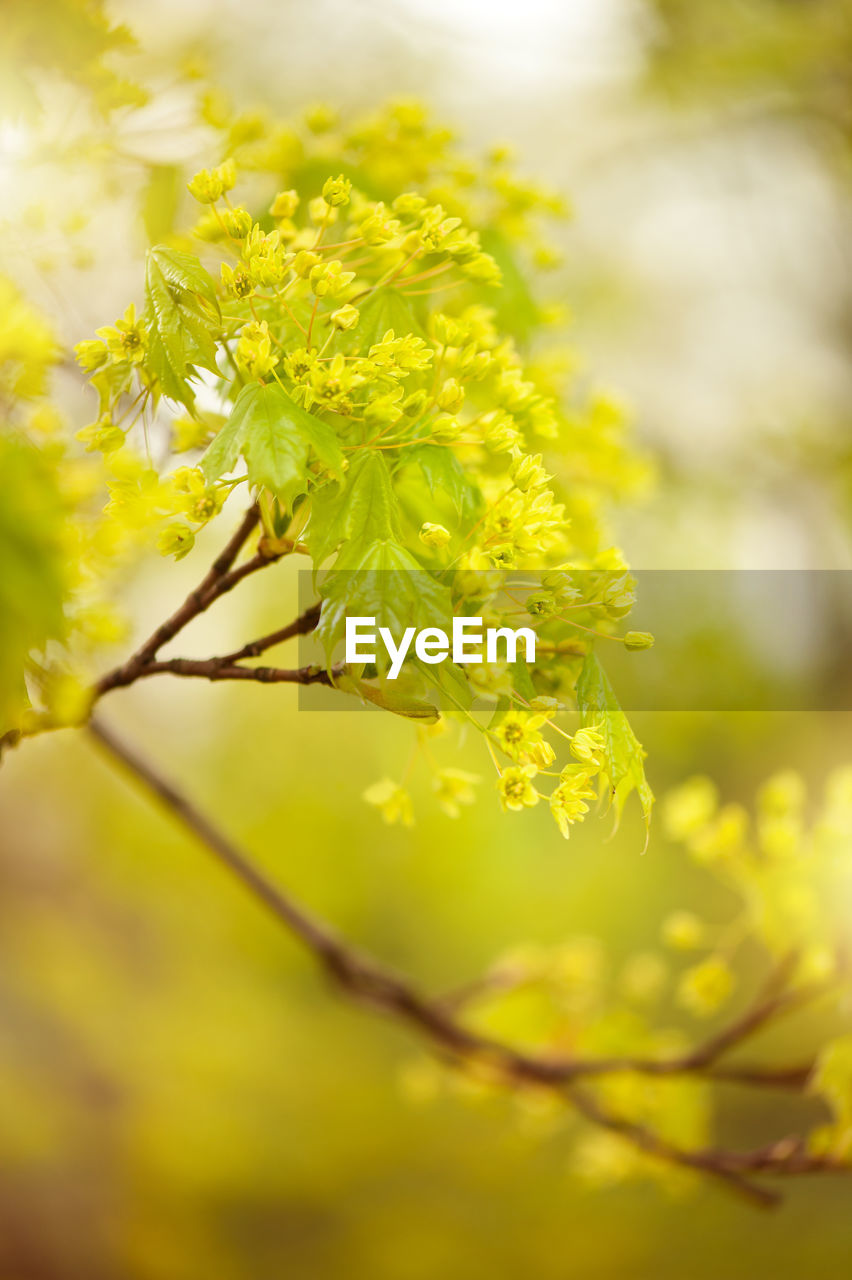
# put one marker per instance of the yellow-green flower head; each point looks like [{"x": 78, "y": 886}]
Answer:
[
  {"x": 704, "y": 988},
  {"x": 568, "y": 800},
  {"x": 336, "y": 191},
  {"x": 321, "y": 213},
  {"x": 635, "y": 640},
  {"x": 541, "y": 604},
  {"x": 285, "y": 204},
  {"x": 127, "y": 341},
  {"x": 451, "y": 396},
  {"x": 254, "y": 349},
  {"x": 377, "y": 227},
  {"x": 516, "y": 789},
  {"x": 327, "y": 279},
  {"x": 683, "y": 931},
  {"x": 209, "y": 185},
  {"x": 176, "y": 540},
  {"x": 304, "y": 263},
  {"x": 345, "y": 317},
  {"x": 447, "y": 330},
  {"x": 689, "y": 808},
  {"x": 454, "y": 787},
  {"x": 237, "y": 282},
  {"x": 434, "y": 535},
  {"x": 446, "y": 427},
  {"x": 589, "y": 746},
  {"x": 519, "y": 736},
  {"x": 392, "y": 800},
  {"x": 238, "y": 222},
  {"x": 91, "y": 354},
  {"x": 320, "y": 118},
  {"x": 409, "y": 205},
  {"x": 643, "y": 977},
  {"x": 102, "y": 436},
  {"x": 528, "y": 473}
]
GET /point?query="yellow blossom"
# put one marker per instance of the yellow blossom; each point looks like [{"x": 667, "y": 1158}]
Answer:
[
  {"x": 392, "y": 800},
  {"x": 516, "y": 789},
  {"x": 454, "y": 787}
]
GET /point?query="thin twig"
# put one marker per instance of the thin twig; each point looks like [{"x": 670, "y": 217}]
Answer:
[
  {"x": 219, "y": 579},
  {"x": 369, "y": 982}
]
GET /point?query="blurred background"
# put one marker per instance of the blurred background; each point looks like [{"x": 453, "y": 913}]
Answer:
[{"x": 180, "y": 1095}]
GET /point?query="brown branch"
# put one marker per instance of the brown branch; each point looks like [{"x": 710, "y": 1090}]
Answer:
[
  {"x": 220, "y": 669},
  {"x": 712, "y": 1163},
  {"x": 220, "y": 578},
  {"x": 301, "y": 626},
  {"x": 369, "y": 982}
]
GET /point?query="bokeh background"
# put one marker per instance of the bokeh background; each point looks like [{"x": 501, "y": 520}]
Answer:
[{"x": 181, "y": 1095}]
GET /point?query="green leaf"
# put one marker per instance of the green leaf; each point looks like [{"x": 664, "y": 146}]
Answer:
[
  {"x": 380, "y": 580},
  {"x": 624, "y": 755},
  {"x": 446, "y": 476},
  {"x": 276, "y": 437},
  {"x": 361, "y": 509},
  {"x": 32, "y": 571},
  {"x": 386, "y": 309},
  {"x": 179, "y": 329},
  {"x": 382, "y": 696},
  {"x": 513, "y": 302}
]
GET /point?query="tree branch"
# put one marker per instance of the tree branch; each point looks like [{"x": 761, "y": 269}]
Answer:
[
  {"x": 221, "y": 669},
  {"x": 365, "y": 980}
]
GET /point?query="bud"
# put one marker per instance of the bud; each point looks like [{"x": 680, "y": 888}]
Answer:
[
  {"x": 434, "y": 535},
  {"x": 236, "y": 282},
  {"x": 206, "y": 186},
  {"x": 336, "y": 191},
  {"x": 541, "y": 604},
  {"x": 447, "y": 330},
  {"x": 177, "y": 540},
  {"x": 528, "y": 473},
  {"x": 319, "y": 211},
  {"x": 683, "y": 931},
  {"x": 304, "y": 263},
  {"x": 227, "y": 174},
  {"x": 237, "y": 222},
  {"x": 451, "y": 396},
  {"x": 91, "y": 354},
  {"x": 285, "y": 204},
  {"x": 445, "y": 428},
  {"x": 638, "y": 640},
  {"x": 408, "y": 205},
  {"x": 345, "y": 317}
]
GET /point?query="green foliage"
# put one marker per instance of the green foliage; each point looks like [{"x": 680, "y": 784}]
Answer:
[
  {"x": 358, "y": 510},
  {"x": 276, "y": 437},
  {"x": 33, "y": 581},
  {"x": 623, "y": 755},
  {"x": 380, "y": 580},
  {"x": 179, "y": 332}
]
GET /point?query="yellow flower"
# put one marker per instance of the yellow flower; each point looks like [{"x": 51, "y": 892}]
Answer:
[
  {"x": 516, "y": 789},
  {"x": 454, "y": 787},
  {"x": 392, "y": 800},
  {"x": 336, "y": 191},
  {"x": 518, "y": 735},
  {"x": 589, "y": 746},
  {"x": 683, "y": 931},
  {"x": 285, "y": 204},
  {"x": 568, "y": 801},
  {"x": 705, "y": 987},
  {"x": 254, "y": 349},
  {"x": 126, "y": 341},
  {"x": 434, "y": 535},
  {"x": 345, "y": 317}
]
